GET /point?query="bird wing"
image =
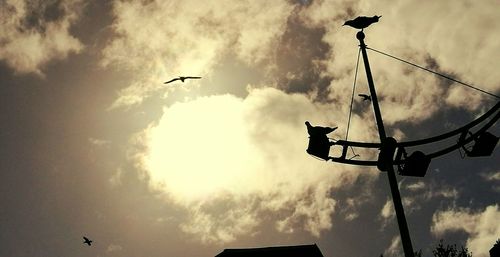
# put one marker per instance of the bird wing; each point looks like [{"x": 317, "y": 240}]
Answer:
[
  {"x": 172, "y": 80},
  {"x": 193, "y": 77},
  {"x": 86, "y": 239}
]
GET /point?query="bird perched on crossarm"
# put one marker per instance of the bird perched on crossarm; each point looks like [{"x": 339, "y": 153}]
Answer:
[{"x": 362, "y": 22}]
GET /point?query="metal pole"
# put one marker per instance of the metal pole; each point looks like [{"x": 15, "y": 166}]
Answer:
[{"x": 393, "y": 183}]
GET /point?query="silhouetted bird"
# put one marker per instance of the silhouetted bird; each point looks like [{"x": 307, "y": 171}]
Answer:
[
  {"x": 362, "y": 22},
  {"x": 87, "y": 241},
  {"x": 317, "y": 130},
  {"x": 366, "y": 97},
  {"x": 181, "y": 79}
]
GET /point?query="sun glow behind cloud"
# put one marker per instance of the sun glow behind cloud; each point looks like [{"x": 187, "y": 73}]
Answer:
[
  {"x": 202, "y": 147},
  {"x": 248, "y": 153}
]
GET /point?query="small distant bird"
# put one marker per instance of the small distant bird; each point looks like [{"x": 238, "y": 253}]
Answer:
[
  {"x": 366, "y": 97},
  {"x": 181, "y": 79},
  {"x": 87, "y": 241},
  {"x": 362, "y": 22}
]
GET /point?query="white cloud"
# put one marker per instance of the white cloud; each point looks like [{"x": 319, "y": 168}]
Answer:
[
  {"x": 482, "y": 227},
  {"x": 221, "y": 227},
  {"x": 422, "y": 192},
  {"x": 416, "y": 186},
  {"x": 419, "y": 193},
  {"x": 116, "y": 179},
  {"x": 30, "y": 37},
  {"x": 315, "y": 209},
  {"x": 350, "y": 205},
  {"x": 229, "y": 161},
  {"x": 99, "y": 142},
  {"x": 387, "y": 214},
  {"x": 395, "y": 248},
  {"x": 114, "y": 248},
  {"x": 492, "y": 176},
  {"x": 158, "y": 39}
]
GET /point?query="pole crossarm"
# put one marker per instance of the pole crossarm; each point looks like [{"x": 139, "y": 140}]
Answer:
[
  {"x": 493, "y": 114},
  {"x": 454, "y": 132},
  {"x": 466, "y": 141}
]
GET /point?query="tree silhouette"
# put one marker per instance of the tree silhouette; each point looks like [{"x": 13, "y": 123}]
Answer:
[
  {"x": 447, "y": 251},
  {"x": 450, "y": 251}
]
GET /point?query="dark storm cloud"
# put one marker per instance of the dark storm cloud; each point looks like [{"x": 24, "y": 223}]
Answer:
[
  {"x": 36, "y": 32},
  {"x": 300, "y": 57},
  {"x": 39, "y": 13}
]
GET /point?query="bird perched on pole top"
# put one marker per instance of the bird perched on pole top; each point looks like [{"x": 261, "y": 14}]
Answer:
[{"x": 362, "y": 22}]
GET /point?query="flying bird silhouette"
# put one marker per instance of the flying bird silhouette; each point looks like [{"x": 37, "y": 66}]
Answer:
[
  {"x": 362, "y": 22},
  {"x": 181, "y": 79},
  {"x": 87, "y": 241},
  {"x": 366, "y": 97}
]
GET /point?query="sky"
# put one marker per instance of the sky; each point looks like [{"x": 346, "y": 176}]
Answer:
[{"x": 94, "y": 144}]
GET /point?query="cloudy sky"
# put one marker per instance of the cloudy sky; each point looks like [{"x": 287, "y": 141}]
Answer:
[{"x": 93, "y": 143}]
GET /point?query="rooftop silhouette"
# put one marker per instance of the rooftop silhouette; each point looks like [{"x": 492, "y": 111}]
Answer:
[
  {"x": 276, "y": 251},
  {"x": 495, "y": 250}
]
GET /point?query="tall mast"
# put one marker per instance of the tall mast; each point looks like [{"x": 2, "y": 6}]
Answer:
[{"x": 393, "y": 183}]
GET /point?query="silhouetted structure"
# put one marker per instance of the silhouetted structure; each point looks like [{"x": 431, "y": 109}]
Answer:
[
  {"x": 495, "y": 250},
  {"x": 362, "y": 22},
  {"x": 484, "y": 144},
  {"x": 318, "y": 130},
  {"x": 417, "y": 163},
  {"x": 181, "y": 79},
  {"x": 319, "y": 144},
  {"x": 276, "y": 251},
  {"x": 87, "y": 241}
]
